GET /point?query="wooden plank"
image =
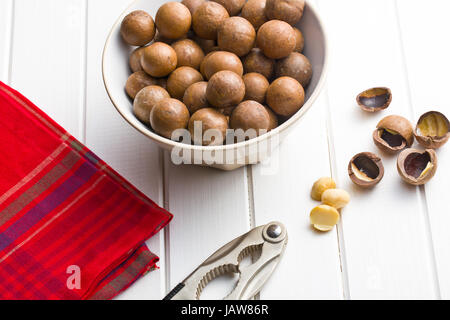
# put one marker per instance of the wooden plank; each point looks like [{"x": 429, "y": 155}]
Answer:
[
  {"x": 428, "y": 67},
  {"x": 387, "y": 248},
  {"x": 211, "y": 209},
  {"x": 6, "y": 14},
  {"x": 310, "y": 268},
  {"x": 48, "y": 58},
  {"x": 133, "y": 155}
]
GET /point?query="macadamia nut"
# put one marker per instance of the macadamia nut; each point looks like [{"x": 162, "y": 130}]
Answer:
[
  {"x": 320, "y": 186},
  {"x": 232, "y": 6},
  {"x": 173, "y": 20},
  {"x": 290, "y": 11},
  {"x": 159, "y": 59},
  {"x": 138, "y": 28},
  {"x": 236, "y": 35},
  {"x": 276, "y": 39},
  {"x": 255, "y": 12},
  {"x": 324, "y": 217},
  {"x": 146, "y": 100},
  {"x": 336, "y": 198},
  {"x": 208, "y": 18}
]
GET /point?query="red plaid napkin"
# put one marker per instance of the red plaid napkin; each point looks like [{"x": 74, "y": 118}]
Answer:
[{"x": 70, "y": 226}]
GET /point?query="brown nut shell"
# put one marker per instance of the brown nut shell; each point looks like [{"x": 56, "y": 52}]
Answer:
[
  {"x": 195, "y": 97},
  {"x": 296, "y": 66},
  {"x": 138, "y": 28},
  {"x": 173, "y": 20},
  {"x": 236, "y": 35},
  {"x": 432, "y": 130},
  {"x": 256, "y": 86},
  {"x": 181, "y": 79},
  {"x": 193, "y": 5},
  {"x": 300, "y": 41},
  {"x": 212, "y": 120},
  {"x": 159, "y": 59},
  {"x": 366, "y": 169},
  {"x": 417, "y": 167},
  {"x": 221, "y": 61},
  {"x": 189, "y": 53},
  {"x": 375, "y": 99},
  {"x": 290, "y": 11},
  {"x": 138, "y": 81},
  {"x": 276, "y": 39},
  {"x": 169, "y": 115},
  {"x": 146, "y": 99},
  {"x": 208, "y": 18},
  {"x": 394, "y": 133},
  {"x": 135, "y": 59},
  {"x": 285, "y": 96},
  {"x": 233, "y": 7},
  {"x": 256, "y": 61},
  {"x": 225, "y": 89},
  {"x": 255, "y": 12},
  {"x": 251, "y": 115},
  {"x": 207, "y": 46}
]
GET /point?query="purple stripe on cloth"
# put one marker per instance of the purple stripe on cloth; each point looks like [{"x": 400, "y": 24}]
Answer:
[{"x": 37, "y": 213}]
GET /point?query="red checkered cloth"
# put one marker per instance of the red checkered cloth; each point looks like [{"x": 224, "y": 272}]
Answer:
[{"x": 70, "y": 226}]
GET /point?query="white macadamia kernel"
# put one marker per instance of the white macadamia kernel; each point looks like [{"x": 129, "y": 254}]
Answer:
[
  {"x": 320, "y": 186},
  {"x": 324, "y": 217},
  {"x": 336, "y": 198}
]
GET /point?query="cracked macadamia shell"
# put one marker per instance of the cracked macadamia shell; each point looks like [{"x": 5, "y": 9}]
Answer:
[
  {"x": 193, "y": 5},
  {"x": 251, "y": 115},
  {"x": 135, "y": 59},
  {"x": 393, "y": 133},
  {"x": 285, "y": 96},
  {"x": 276, "y": 39},
  {"x": 255, "y": 12},
  {"x": 189, "y": 53},
  {"x": 417, "y": 167},
  {"x": 236, "y": 35},
  {"x": 138, "y": 28},
  {"x": 366, "y": 169},
  {"x": 195, "y": 97},
  {"x": 145, "y": 101},
  {"x": 256, "y": 86},
  {"x": 137, "y": 81},
  {"x": 225, "y": 89},
  {"x": 233, "y": 7},
  {"x": 432, "y": 130},
  {"x": 299, "y": 41},
  {"x": 290, "y": 11},
  {"x": 173, "y": 20},
  {"x": 221, "y": 61},
  {"x": 169, "y": 115},
  {"x": 159, "y": 59},
  {"x": 296, "y": 66},
  {"x": 181, "y": 79},
  {"x": 374, "y": 99},
  {"x": 208, "y": 18},
  {"x": 208, "y": 119},
  {"x": 257, "y": 62}
]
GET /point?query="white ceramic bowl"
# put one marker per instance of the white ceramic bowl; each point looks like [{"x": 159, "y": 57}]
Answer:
[{"x": 229, "y": 157}]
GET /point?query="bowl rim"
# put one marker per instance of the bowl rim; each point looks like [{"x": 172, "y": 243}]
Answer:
[{"x": 275, "y": 132}]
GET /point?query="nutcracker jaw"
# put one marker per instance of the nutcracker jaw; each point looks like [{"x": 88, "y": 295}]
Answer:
[{"x": 269, "y": 240}]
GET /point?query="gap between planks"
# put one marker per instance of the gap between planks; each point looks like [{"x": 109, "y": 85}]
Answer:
[{"x": 421, "y": 194}]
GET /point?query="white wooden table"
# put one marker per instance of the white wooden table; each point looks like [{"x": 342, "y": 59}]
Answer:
[{"x": 393, "y": 242}]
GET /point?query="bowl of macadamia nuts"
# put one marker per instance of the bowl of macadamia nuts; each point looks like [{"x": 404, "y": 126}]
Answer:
[{"x": 218, "y": 83}]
